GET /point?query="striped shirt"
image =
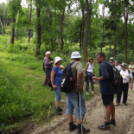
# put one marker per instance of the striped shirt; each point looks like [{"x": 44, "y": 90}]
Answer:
[{"x": 47, "y": 62}]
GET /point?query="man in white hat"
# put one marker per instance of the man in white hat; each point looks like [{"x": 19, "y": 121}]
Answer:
[
  {"x": 112, "y": 61},
  {"x": 47, "y": 66},
  {"x": 126, "y": 75},
  {"x": 72, "y": 97}
]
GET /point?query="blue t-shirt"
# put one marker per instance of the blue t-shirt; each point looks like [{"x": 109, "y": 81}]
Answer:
[
  {"x": 106, "y": 86},
  {"x": 119, "y": 68},
  {"x": 57, "y": 78}
]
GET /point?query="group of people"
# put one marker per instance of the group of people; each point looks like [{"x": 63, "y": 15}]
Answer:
[
  {"x": 127, "y": 76},
  {"x": 54, "y": 73}
]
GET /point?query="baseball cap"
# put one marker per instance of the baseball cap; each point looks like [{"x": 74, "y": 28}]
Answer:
[
  {"x": 123, "y": 64},
  {"x": 48, "y": 52}
]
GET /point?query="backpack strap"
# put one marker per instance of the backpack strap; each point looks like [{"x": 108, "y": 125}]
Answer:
[
  {"x": 110, "y": 67},
  {"x": 129, "y": 71}
]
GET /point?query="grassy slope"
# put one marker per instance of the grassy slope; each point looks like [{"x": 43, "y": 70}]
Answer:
[{"x": 24, "y": 75}]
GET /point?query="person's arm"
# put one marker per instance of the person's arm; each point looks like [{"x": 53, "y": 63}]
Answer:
[
  {"x": 52, "y": 79},
  {"x": 79, "y": 79},
  {"x": 94, "y": 72},
  {"x": 131, "y": 86},
  {"x": 86, "y": 68},
  {"x": 98, "y": 78},
  {"x": 131, "y": 77},
  {"x": 48, "y": 62},
  {"x": 104, "y": 73}
]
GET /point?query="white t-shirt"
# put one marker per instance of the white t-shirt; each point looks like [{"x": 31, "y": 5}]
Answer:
[
  {"x": 132, "y": 70},
  {"x": 126, "y": 76},
  {"x": 90, "y": 68}
]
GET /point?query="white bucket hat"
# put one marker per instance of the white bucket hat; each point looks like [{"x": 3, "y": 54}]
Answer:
[
  {"x": 61, "y": 66},
  {"x": 56, "y": 59},
  {"x": 75, "y": 55},
  {"x": 111, "y": 58},
  {"x": 48, "y": 52}
]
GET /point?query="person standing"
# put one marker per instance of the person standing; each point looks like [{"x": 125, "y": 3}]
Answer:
[
  {"x": 89, "y": 72},
  {"x": 47, "y": 66},
  {"x": 126, "y": 75},
  {"x": 112, "y": 61},
  {"x": 72, "y": 97},
  {"x": 106, "y": 89},
  {"x": 56, "y": 82},
  {"x": 117, "y": 65},
  {"x": 131, "y": 67}
]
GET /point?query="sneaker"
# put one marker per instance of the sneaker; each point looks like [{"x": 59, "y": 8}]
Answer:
[
  {"x": 87, "y": 92},
  {"x": 117, "y": 104},
  {"x": 85, "y": 131},
  {"x": 92, "y": 92},
  {"x": 73, "y": 128},
  {"x": 113, "y": 122},
  {"x": 125, "y": 104},
  {"x": 58, "y": 109},
  {"x": 104, "y": 127}
]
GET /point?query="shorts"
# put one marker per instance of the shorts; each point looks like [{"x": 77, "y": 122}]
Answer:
[
  {"x": 107, "y": 99},
  {"x": 72, "y": 103}
]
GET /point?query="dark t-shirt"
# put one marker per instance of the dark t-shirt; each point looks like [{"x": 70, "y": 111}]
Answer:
[{"x": 106, "y": 86}]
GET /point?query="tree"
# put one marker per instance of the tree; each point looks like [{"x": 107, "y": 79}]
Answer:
[
  {"x": 14, "y": 8},
  {"x": 89, "y": 10}
]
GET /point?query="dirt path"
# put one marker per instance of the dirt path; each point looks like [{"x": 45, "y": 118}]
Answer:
[{"x": 94, "y": 117}]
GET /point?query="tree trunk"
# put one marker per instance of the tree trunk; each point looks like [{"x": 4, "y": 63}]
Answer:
[
  {"x": 12, "y": 31},
  {"x": 61, "y": 28},
  {"x": 125, "y": 29},
  {"x": 50, "y": 16},
  {"x": 30, "y": 15},
  {"x": 80, "y": 36},
  {"x": 115, "y": 31},
  {"x": 83, "y": 21},
  {"x": 86, "y": 32},
  {"x": 103, "y": 38},
  {"x": 38, "y": 43}
]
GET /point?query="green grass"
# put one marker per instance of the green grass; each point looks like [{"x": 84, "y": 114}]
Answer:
[{"x": 21, "y": 93}]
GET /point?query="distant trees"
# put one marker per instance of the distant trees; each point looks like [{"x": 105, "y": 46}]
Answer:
[{"x": 56, "y": 26}]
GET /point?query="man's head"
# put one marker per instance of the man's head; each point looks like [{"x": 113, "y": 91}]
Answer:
[
  {"x": 124, "y": 66},
  {"x": 100, "y": 57},
  {"x": 111, "y": 60},
  {"x": 76, "y": 56},
  {"x": 116, "y": 62},
  {"x": 131, "y": 63},
  {"x": 48, "y": 54}
]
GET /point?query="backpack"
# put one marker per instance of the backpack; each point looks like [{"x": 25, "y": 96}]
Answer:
[
  {"x": 117, "y": 78},
  {"x": 67, "y": 82}
]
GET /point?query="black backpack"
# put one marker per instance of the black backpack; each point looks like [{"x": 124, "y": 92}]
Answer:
[
  {"x": 117, "y": 78},
  {"x": 67, "y": 82}
]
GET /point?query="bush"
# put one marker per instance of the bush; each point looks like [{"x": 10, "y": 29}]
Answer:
[{"x": 14, "y": 102}]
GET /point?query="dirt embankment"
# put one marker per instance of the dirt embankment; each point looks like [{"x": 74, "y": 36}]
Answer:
[{"x": 94, "y": 117}]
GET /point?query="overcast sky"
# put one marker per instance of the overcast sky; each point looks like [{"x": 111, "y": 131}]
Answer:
[{"x": 24, "y": 4}]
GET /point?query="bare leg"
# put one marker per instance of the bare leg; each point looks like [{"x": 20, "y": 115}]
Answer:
[
  {"x": 113, "y": 111},
  {"x": 108, "y": 112}
]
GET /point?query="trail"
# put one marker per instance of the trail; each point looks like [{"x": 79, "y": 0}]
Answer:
[{"x": 94, "y": 117}]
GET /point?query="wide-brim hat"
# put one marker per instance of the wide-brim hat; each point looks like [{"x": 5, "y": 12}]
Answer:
[
  {"x": 75, "y": 55},
  {"x": 56, "y": 59}
]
